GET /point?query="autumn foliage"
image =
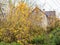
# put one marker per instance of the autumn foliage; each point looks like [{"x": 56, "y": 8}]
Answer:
[{"x": 18, "y": 27}]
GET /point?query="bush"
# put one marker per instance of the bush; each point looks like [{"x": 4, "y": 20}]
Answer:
[
  {"x": 56, "y": 36},
  {"x": 52, "y": 38},
  {"x": 43, "y": 40},
  {"x": 13, "y": 43}
]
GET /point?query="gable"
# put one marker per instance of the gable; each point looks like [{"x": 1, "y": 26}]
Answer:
[{"x": 37, "y": 11}]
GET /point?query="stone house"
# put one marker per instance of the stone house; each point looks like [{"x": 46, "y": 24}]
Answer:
[
  {"x": 4, "y": 9},
  {"x": 38, "y": 17}
]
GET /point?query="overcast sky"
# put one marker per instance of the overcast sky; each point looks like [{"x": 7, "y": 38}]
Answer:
[{"x": 49, "y": 4}]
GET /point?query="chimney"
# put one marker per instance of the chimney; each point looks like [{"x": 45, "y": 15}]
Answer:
[{"x": 44, "y": 10}]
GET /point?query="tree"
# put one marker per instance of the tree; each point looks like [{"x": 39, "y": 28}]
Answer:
[{"x": 18, "y": 21}]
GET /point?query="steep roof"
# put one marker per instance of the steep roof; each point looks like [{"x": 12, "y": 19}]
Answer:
[
  {"x": 50, "y": 13},
  {"x": 36, "y": 10}
]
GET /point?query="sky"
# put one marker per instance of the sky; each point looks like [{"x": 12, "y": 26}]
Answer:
[{"x": 49, "y": 4}]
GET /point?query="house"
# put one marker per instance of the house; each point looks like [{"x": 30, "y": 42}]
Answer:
[
  {"x": 51, "y": 17},
  {"x": 4, "y": 9},
  {"x": 38, "y": 17},
  {"x": 0, "y": 9}
]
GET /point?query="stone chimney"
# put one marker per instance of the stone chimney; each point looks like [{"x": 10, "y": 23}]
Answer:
[{"x": 44, "y": 10}]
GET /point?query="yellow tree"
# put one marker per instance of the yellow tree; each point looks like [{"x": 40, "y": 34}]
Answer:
[{"x": 18, "y": 21}]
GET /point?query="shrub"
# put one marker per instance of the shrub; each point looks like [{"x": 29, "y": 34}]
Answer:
[
  {"x": 39, "y": 39},
  {"x": 13, "y": 43},
  {"x": 56, "y": 36}
]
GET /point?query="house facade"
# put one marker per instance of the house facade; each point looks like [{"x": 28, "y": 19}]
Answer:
[{"x": 38, "y": 17}]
